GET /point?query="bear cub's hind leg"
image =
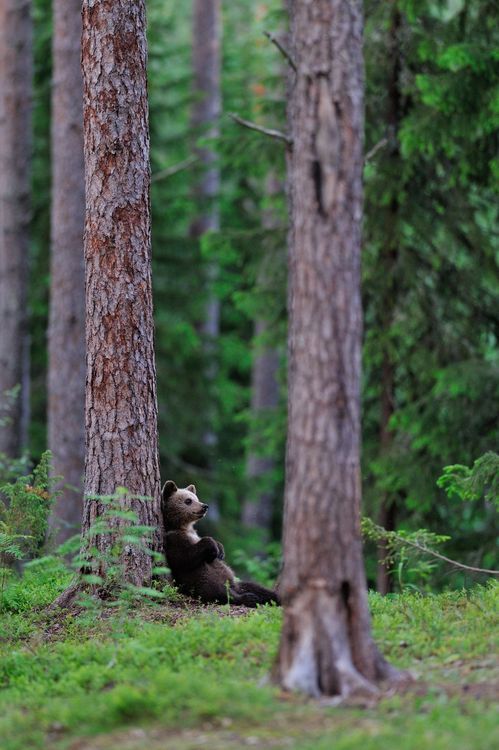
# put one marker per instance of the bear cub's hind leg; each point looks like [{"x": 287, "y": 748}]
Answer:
[{"x": 262, "y": 594}]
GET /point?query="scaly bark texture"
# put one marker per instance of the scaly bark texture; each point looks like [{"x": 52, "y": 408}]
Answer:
[
  {"x": 121, "y": 405},
  {"x": 66, "y": 372},
  {"x": 389, "y": 257},
  {"x": 16, "y": 73},
  {"x": 326, "y": 644}
]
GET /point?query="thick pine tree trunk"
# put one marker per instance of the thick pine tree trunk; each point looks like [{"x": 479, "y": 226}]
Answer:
[
  {"x": 121, "y": 406},
  {"x": 66, "y": 372},
  {"x": 389, "y": 257},
  {"x": 16, "y": 72},
  {"x": 326, "y": 644}
]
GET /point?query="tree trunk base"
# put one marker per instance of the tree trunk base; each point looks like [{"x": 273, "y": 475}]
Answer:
[
  {"x": 323, "y": 654},
  {"x": 67, "y": 598}
]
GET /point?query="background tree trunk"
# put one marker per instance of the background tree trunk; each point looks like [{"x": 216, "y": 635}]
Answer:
[
  {"x": 206, "y": 39},
  {"x": 389, "y": 257},
  {"x": 258, "y": 510},
  {"x": 66, "y": 374},
  {"x": 206, "y": 61},
  {"x": 326, "y": 643},
  {"x": 121, "y": 406},
  {"x": 16, "y": 74}
]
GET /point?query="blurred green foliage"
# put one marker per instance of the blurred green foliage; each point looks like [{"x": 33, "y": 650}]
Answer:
[{"x": 431, "y": 308}]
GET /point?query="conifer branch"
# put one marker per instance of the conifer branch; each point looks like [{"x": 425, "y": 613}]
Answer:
[
  {"x": 270, "y": 132},
  {"x": 282, "y": 49},
  {"x": 374, "y": 531},
  {"x": 455, "y": 563},
  {"x": 381, "y": 144},
  {"x": 170, "y": 171}
]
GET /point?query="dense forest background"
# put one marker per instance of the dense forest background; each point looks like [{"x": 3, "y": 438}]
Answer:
[{"x": 430, "y": 283}]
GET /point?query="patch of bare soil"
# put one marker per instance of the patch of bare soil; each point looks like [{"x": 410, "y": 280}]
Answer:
[{"x": 56, "y": 619}]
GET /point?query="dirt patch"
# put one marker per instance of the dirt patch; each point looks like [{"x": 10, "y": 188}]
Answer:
[{"x": 55, "y": 621}]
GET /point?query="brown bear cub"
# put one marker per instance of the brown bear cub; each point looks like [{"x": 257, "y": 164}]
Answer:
[{"x": 197, "y": 563}]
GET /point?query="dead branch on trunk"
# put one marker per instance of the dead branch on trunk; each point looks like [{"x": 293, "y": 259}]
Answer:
[
  {"x": 374, "y": 150},
  {"x": 163, "y": 174},
  {"x": 270, "y": 132},
  {"x": 282, "y": 49}
]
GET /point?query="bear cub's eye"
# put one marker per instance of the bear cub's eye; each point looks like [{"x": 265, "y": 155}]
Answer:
[{"x": 188, "y": 501}]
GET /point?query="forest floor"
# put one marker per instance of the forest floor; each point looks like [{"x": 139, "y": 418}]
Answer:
[{"x": 182, "y": 676}]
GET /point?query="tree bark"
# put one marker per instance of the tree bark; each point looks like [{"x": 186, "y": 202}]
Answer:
[
  {"x": 121, "y": 405},
  {"x": 66, "y": 371},
  {"x": 16, "y": 74},
  {"x": 326, "y": 644},
  {"x": 389, "y": 257}
]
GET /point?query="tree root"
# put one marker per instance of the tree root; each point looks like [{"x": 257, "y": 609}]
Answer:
[{"x": 67, "y": 599}]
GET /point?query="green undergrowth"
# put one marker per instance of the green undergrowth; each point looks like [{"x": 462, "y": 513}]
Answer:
[{"x": 181, "y": 676}]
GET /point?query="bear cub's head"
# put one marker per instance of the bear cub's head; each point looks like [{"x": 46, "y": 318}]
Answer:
[{"x": 180, "y": 507}]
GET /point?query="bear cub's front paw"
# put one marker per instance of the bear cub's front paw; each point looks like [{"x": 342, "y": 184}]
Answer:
[
  {"x": 221, "y": 551},
  {"x": 211, "y": 549}
]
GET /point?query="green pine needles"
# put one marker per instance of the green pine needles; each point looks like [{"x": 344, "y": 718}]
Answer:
[{"x": 479, "y": 482}]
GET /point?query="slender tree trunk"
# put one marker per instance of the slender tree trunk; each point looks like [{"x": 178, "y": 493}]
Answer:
[
  {"x": 326, "y": 643},
  {"x": 389, "y": 257},
  {"x": 121, "y": 406},
  {"x": 258, "y": 511},
  {"x": 387, "y": 512},
  {"x": 66, "y": 375},
  {"x": 206, "y": 39},
  {"x": 16, "y": 74}
]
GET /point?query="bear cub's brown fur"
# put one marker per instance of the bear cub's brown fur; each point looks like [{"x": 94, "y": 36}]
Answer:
[{"x": 197, "y": 563}]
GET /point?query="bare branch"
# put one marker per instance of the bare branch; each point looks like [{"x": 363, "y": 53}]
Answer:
[
  {"x": 282, "y": 49},
  {"x": 381, "y": 144},
  {"x": 402, "y": 540},
  {"x": 455, "y": 563},
  {"x": 170, "y": 171},
  {"x": 276, "y": 134}
]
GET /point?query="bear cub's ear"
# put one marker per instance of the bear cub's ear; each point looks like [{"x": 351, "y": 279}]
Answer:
[
  {"x": 192, "y": 489},
  {"x": 169, "y": 488}
]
